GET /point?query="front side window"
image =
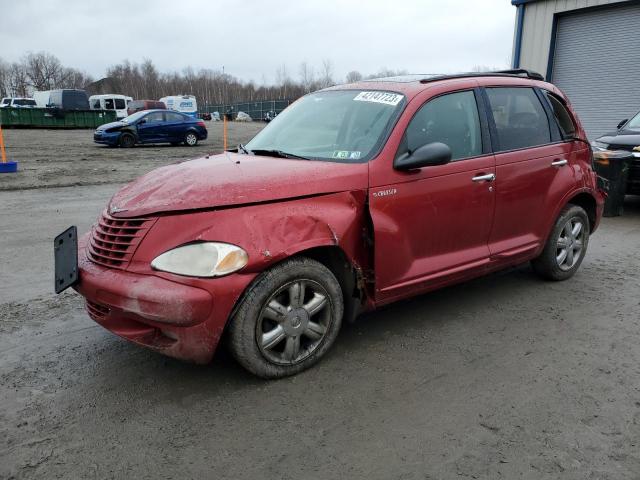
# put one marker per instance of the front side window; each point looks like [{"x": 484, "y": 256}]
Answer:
[
  {"x": 339, "y": 125},
  {"x": 120, "y": 104},
  {"x": 451, "y": 119},
  {"x": 565, "y": 122},
  {"x": 155, "y": 117},
  {"x": 519, "y": 117}
]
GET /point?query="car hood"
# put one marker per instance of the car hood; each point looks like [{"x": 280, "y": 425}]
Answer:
[
  {"x": 231, "y": 179},
  {"x": 108, "y": 126},
  {"x": 624, "y": 138}
]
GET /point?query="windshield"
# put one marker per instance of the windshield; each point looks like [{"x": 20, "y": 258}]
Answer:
[
  {"x": 135, "y": 116},
  {"x": 634, "y": 123},
  {"x": 342, "y": 125}
]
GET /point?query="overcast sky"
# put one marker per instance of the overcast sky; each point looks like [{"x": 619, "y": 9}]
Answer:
[{"x": 251, "y": 38}]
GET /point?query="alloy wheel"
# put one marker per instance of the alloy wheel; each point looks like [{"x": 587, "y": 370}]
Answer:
[
  {"x": 191, "y": 139},
  {"x": 570, "y": 244},
  {"x": 294, "y": 322}
]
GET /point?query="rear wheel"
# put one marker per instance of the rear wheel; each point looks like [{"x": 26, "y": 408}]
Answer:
[
  {"x": 191, "y": 139},
  {"x": 566, "y": 246},
  {"x": 288, "y": 319},
  {"x": 126, "y": 140}
]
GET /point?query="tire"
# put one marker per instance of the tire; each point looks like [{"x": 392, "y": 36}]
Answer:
[
  {"x": 126, "y": 140},
  {"x": 270, "y": 338},
  {"x": 191, "y": 139},
  {"x": 566, "y": 246}
]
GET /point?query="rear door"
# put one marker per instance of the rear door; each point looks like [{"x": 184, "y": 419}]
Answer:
[
  {"x": 432, "y": 225},
  {"x": 176, "y": 126},
  {"x": 533, "y": 169}
]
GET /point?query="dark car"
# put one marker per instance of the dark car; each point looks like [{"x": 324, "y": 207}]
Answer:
[
  {"x": 352, "y": 198},
  {"x": 623, "y": 143},
  {"x": 68, "y": 99},
  {"x": 152, "y": 126},
  {"x": 139, "y": 105}
]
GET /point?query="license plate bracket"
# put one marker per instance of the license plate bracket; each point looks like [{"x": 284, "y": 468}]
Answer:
[{"x": 65, "y": 249}]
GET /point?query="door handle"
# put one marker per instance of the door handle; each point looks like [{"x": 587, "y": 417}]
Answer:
[
  {"x": 488, "y": 177},
  {"x": 561, "y": 162}
]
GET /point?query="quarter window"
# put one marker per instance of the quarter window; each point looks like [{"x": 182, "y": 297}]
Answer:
[
  {"x": 520, "y": 119},
  {"x": 565, "y": 122},
  {"x": 451, "y": 119}
]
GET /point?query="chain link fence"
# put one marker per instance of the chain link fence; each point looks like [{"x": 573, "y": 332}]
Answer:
[{"x": 257, "y": 110}]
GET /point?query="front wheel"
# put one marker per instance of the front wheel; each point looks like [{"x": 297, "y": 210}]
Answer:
[
  {"x": 126, "y": 140},
  {"x": 288, "y": 319},
  {"x": 566, "y": 247},
  {"x": 191, "y": 139}
]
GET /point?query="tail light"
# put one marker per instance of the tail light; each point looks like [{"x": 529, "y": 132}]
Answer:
[{"x": 202, "y": 124}]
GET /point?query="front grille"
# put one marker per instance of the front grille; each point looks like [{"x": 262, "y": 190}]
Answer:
[
  {"x": 96, "y": 311},
  {"x": 115, "y": 240}
]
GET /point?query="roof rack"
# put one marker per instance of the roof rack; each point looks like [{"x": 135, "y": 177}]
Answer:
[{"x": 518, "y": 72}]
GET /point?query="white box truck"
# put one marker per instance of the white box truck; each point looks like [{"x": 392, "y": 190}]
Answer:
[{"x": 182, "y": 103}]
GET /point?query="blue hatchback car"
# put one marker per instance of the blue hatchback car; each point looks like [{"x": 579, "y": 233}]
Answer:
[{"x": 152, "y": 126}]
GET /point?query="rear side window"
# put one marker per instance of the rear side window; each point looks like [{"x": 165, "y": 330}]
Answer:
[
  {"x": 174, "y": 117},
  {"x": 565, "y": 122},
  {"x": 519, "y": 117},
  {"x": 451, "y": 119},
  {"x": 108, "y": 103}
]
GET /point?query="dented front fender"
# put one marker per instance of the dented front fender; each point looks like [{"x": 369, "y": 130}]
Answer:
[{"x": 268, "y": 232}]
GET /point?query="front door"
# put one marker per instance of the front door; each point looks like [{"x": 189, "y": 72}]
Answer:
[
  {"x": 153, "y": 128},
  {"x": 432, "y": 225}
]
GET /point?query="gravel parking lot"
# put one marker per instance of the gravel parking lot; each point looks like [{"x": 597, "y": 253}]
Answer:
[{"x": 503, "y": 377}]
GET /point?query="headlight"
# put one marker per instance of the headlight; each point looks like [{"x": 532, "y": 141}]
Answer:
[
  {"x": 208, "y": 259},
  {"x": 602, "y": 154}
]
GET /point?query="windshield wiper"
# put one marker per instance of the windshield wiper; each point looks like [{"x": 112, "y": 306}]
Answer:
[
  {"x": 278, "y": 153},
  {"x": 243, "y": 149}
]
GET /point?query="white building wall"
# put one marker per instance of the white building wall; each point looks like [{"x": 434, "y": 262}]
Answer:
[{"x": 537, "y": 27}]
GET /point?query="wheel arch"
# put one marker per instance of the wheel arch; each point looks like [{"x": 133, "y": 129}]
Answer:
[{"x": 588, "y": 203}]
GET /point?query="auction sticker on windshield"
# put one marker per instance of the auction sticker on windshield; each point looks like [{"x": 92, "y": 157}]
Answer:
[{"x": 379, "y": 97}]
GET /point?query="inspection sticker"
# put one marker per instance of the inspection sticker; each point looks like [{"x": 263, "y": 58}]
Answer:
[{"x": 379, "y": 97}]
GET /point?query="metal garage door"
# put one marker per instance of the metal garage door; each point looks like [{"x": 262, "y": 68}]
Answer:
[{"x": 597, "y": 64}]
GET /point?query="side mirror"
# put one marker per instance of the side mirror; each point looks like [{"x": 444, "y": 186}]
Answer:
[
  {"x": 144, "y": 120},
  {"x": 431, "y": 154},
  {"x": 622, "y": 123}
]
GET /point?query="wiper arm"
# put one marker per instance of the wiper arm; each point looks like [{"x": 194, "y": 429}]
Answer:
[
  {"x": 278, "y": 153},
  {"x": 243, "y": 149}
]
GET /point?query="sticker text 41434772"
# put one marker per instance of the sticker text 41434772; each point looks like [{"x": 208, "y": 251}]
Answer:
[{"x": 379, "y": 97}]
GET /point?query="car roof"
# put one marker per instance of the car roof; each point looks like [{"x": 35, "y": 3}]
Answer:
[{"x": 412, "y": 84}]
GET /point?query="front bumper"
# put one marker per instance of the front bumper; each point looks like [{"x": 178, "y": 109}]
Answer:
[
  {"x": 178, "y": 320},
  {"x": 106, "y": 138}
]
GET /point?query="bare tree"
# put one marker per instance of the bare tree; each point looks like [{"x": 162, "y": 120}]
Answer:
[
  {"x": 4, "y": 78},
  {"x": 18, "y": 80},
  {"x": 307, "y": 76},
  {"x": 44, "y": 70},
  {"x": 353, "y": 76},
  {"x": 326, "y": 74}
]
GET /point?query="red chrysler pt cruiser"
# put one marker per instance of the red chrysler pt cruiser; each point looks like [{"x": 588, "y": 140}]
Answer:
[{"x": 354, "y": 197}]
